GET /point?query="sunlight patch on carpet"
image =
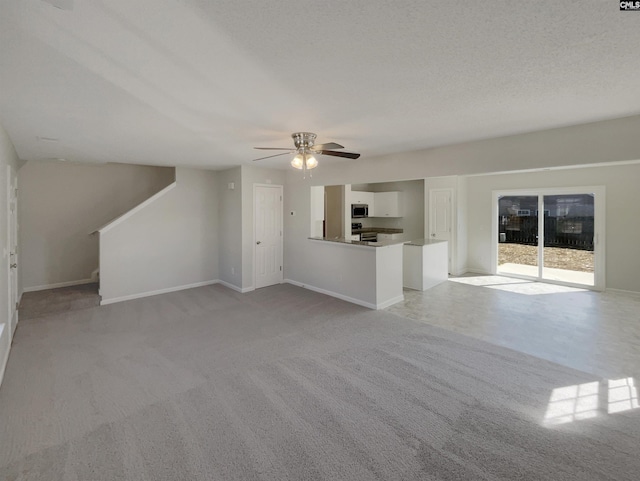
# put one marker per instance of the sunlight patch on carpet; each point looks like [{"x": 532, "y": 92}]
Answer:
[
  {"x": 623, "y": 395},
  {"x": 573, "y": 403},
  {"x": 583, "y": 401}
]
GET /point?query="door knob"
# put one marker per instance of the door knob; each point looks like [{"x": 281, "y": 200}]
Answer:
[
  {"x": 433, "y": 235},
  {"x": 259, "y": 242}
]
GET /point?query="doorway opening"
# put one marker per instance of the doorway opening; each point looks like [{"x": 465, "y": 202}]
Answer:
[{"x": 552, "y": 235}]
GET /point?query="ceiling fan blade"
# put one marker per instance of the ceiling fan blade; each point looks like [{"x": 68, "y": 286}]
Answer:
[
  {"x": 269, "y": 156},
  {"x": 348, "y": 155},
  {"x": 327, "y": 146},
  {"x": 274, "y": 148}
]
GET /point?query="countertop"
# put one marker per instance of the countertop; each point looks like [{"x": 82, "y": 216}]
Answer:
[
  {"x": 423, "y": 242},
  {"x": 342, "y": 240},
  {"x": 379, "y": 230}
]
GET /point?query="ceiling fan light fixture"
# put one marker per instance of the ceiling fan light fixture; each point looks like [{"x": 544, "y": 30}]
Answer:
[
  {"x": 312, "y": 163},
  {"x": 296, "y": 163},
  {"x": 305, "y": 147}
]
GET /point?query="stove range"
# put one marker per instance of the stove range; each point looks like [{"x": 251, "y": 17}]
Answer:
[{"x": 369, "y": 237}]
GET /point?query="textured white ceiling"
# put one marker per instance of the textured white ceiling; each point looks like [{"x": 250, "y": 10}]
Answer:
[{"x": 200, "y": 82}]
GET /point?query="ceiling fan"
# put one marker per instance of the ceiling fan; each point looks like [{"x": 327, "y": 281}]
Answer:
[{"x": 305, "y": 149}]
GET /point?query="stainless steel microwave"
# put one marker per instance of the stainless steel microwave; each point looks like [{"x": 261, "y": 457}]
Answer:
[{"x": 359, "y": 210}]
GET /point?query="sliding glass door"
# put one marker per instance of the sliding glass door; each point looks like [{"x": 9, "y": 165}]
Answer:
[
  {"x": 551, "y": 235},
  {"x": 518, "y": 235},
  {"x": 568, "y": 252}
]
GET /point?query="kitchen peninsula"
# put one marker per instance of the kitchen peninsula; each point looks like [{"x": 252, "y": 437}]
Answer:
[
  {"x": 365, "y": 273},
  {"x": 355, "y": 249},
  {"x": 425, "y": 263}
]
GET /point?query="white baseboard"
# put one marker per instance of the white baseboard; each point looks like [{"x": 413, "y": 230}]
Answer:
[
  {"x": 95, "y": 275},
  {"x": 14, "y": 322},
  {"x": 236, "y": 288},
  {"x": 622, "y": 291},
  {"x": 353, "y": 300},
  {"x": 58, "y": 284},
  {"x": 155, "y": 293},
  {"x": 5, "y": 358},
  {"x": 459, "y": 272},
  {"x": 478, "y": 271},
  {"x": 390, "y": 302}
]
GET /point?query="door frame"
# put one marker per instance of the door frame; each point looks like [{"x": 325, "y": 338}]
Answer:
[
  {"x": 281, "y": 212},
  {"x": 599, "y": 202},
  {"x": 12, "y": 232}
]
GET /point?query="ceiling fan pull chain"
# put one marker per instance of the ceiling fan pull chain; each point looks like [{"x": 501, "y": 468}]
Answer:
[{"x": 304, "y": 166}]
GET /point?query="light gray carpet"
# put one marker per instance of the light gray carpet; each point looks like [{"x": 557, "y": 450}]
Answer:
[{"x": 287, "y": 384}]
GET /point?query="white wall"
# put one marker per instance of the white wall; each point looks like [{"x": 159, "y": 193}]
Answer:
[
  {"x": 8, "y": 156},
  {"x": 607, "y": 141},
  {"x": 230, "y": 227},
  {"x": 60, "y": 203},
  {"x": 170, "y": 244},
  {"x": 256, "y": 175},
  {"x": 622, "y": 228}
]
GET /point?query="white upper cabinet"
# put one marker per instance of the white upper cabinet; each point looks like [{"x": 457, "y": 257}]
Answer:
[
  {"x": 381, "y": 204},
  {"x": 387, "y": 204},
  {"x": 359, "y": 197}
]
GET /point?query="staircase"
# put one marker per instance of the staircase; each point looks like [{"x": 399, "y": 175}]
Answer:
[{"x": 57, "y": 301}]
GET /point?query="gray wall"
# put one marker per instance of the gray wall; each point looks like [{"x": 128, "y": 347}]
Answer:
[
  {"x": 8, "y": 157},
  {"x": 60, "y": 203},
  {"x": 230, "y": 227},
  {"x": 171, "y": 243}
]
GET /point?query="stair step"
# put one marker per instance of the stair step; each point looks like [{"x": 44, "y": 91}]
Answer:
[{"x": 62, "y": 299}]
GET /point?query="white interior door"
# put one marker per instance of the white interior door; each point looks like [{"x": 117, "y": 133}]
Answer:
[
  {"x": 12, "y": 238},
  {"x": 441, "y": 217},
  {"x": 268, "y": 235}
]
